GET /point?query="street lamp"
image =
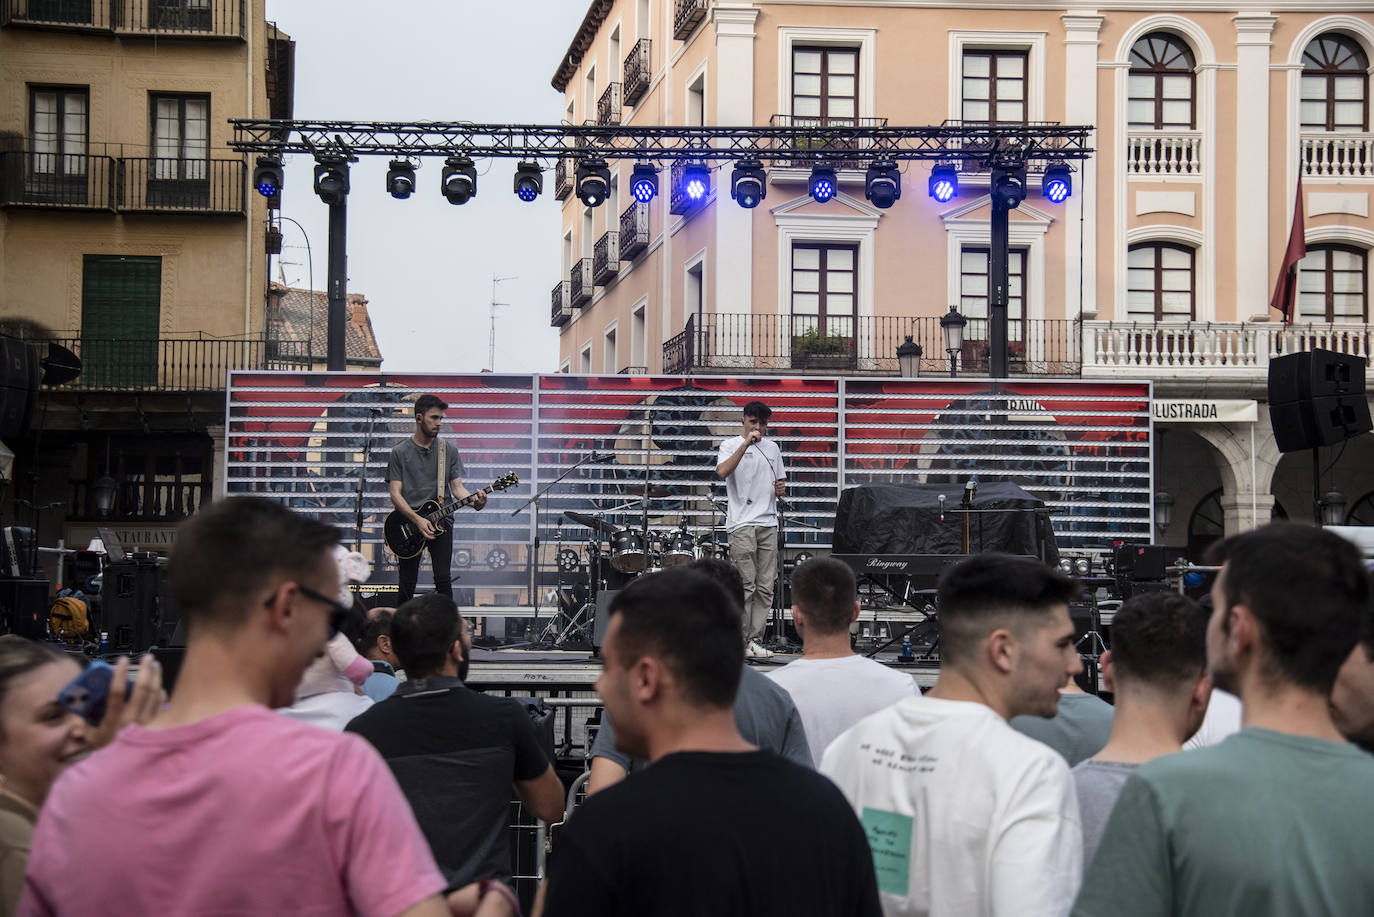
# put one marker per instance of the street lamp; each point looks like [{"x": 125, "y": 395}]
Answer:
[
  {"x": 1333, "y": 507},
  {"x": 952, "y": 324},
  {"x": 103, "y": 492},
  {"x": 909, "y": 358},
  {"x": 1164, "y": 510}
]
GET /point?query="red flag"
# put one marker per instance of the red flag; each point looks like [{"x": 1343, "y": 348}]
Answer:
[{"x": 1285, "y": 290}]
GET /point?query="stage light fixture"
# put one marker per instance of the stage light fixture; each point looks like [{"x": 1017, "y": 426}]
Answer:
[
  {"x": 944, "y": 183},
  {"x": 822, "y": 184},
  {"x": 749, "y": 183},
  {"x": 529, "y": 181},
  {"x": 400, "y": 179},
  {"x": 643, "y": 182},
  {"x": 459, "y": 179},
  {"x": 331, "y": 179},
  {"x": 268, "y": 176},
  {"x": 1008, "y": 187},
  {"x": 883, "y": 183},
  {"x": 696, "y": 180},
  {"x": 1057, "y": 183},
  {"x": 593, "y": 182}
]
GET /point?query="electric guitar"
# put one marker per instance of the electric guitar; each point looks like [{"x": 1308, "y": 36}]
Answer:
[{"x": 403, "y": 537}]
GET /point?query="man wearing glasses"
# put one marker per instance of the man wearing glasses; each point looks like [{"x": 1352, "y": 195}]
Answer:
[{"x": 260, "y": 813}]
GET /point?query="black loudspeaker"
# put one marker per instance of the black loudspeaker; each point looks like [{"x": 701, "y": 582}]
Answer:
[
  {"x": 24, "y": 607},
  {"x": 1316, "y": 398},
  {"x": 18, "y": 386},
  {"x": 135, "y": 605},
  {"x": 1139, "y": 561},
  {"x": 603, "y": 615},
  {"x": 16, "y": 550}
]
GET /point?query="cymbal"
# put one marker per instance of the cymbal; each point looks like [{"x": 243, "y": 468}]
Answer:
[
  {"x": 592, "y": 522},
  {"x": 656, "y": 491}
]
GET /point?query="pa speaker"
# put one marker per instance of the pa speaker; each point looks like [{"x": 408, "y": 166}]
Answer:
[
  {"x": 603, "y": 616},
  {"x": 24, "y": 607},
  {"x": 18, "y": 386},
  {"x": 1314, "y": 374},
  {"x": 1316, "y": 398}
]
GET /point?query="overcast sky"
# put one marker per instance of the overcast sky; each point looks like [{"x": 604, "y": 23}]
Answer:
[{"x": 425, "y": 265}]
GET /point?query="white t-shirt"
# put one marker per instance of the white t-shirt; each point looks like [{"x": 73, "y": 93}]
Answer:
[
  {"x": 964, "y": 814},
  {"x": 1221, "y": 720},
  {"x": 750, "y": 486},
  {"x": 834, "y": 694},
  {"x": 331, "y": 710}
]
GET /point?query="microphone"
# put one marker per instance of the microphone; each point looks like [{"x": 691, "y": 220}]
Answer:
[
  {"x": 942, "y": 507},
  {"x": 603, "y": 457},
  {"x": 375, "y": 411}
]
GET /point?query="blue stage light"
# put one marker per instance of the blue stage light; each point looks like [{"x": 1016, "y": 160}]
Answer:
[
  {"x": 696, "y": 180},
  {"x": 1057, "y": 183},
  {"x": 822, "y": 184},
  {"x": 944, "y": 183},
  {"x": 643, "y": 182},
  {"x": 529, "y": 181}
]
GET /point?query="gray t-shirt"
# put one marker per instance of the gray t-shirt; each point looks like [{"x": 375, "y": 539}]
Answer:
[
  {"x": 1078, "y": 731},
  {"x": 1098, "y": 784},
  {"x": 417, "y": 469},
  {"x": 764, "y": 713}
]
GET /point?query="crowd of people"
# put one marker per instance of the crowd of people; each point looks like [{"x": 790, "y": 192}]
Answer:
[{"x": 828, "y": 786}]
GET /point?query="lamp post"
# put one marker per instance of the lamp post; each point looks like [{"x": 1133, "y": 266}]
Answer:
[
  {"x": 909, "y": 358},
  {"x": 1332, "y": 507},
  {"x": 103, "y": 492},
  {"x": 1164, "y": 511},
  {"x": 952, "y": 324}
]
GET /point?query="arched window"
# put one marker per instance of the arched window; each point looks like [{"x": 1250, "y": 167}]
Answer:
[
  {"x": 1162, "y": 85},
  {"x": 1159, "y": 282},
  {"x": 1335, "y": 85},
  {"x": 1333, "y": 284}
]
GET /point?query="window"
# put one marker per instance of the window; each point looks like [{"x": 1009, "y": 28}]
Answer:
[
  {"x": 1332, "y": 284},
  {"x": 58, "y": 127},
  {"x": 974, "y": 293},
  {"x": 825, "y": 84},
  {"x": 1335, "y": 81},
  {"x": 1159, "y": 282},
  {"x": 609, "y": 355},
  {"x": 994, "y": 86},
  {"x": 181, "y": 151},
  {"x": 120, "y": 308},
  {"x": 695, "y": 292},
  {"x": 1161, "y": 85},
  {"x": 584, "y": 363},
  {"x": 823, "y": 289},
  {"x": 696, "y": 102},
  {"x": 176, "y": 15},
  {"x": 638, "y": 336}
]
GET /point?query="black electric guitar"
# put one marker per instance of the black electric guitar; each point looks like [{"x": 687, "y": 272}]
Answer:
[{"x": 403, "y": 536}]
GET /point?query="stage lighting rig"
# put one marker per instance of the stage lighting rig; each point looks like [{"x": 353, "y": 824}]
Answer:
[
  {"x": 1057, "y": 183},
  {"x": 696, "y": 181},
  {"x": 822, "y": 184},
  {"x": 400, "y": 178},
  {"x": 944, "y": 182},
  {"x": 1008, "y": 186},
  {"x": 331, "y": 179},
  {"x": 529, "y": 181},
  {"x": 459, "y": 179},
  {"x": 268, "y": 176},
  {"x": 593, "y": 182},
  {"x": 643, "y": 182},
  {"x": 749, "y": 183},
  {"x": 883, "y": 183}
]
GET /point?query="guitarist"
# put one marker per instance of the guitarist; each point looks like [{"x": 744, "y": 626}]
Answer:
[{"x": 412, "y": 476}]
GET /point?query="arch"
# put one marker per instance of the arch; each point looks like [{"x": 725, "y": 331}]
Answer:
[
  {"x": 1166, "y": 232},
  {"x": 1185, "y": 28},
  {"x": 1361, "y": 511},
  {"x": 1359, "y": 29},
  {"x": 1347, "y": 235}
]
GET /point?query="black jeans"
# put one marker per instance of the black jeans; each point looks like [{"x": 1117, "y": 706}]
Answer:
[{"x": 440, "y": 560}]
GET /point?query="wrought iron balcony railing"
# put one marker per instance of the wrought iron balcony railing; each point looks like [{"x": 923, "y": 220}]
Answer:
[
  {"x": 1164, "y": 153},
  {"x": 819, "y": 135},
  {"x": 184, "y": 364},
  {"x": 687, "y": 15},
  {"x": 563, "y": 178},
  {"x": 1337, "y": 154},
  {"x": 608, "y": 106},
  {"x": 580, "y": 283},
  {"x": 562, "y": 303},
  {"x": 638, "y": 72},
  {"x": 606, "y": 258},
  {"x": 634, "y": 230},
  {"x": 70, "y": 181},
  {"x": 183, "y": 18},
  {"x": 186, "y": 185}
]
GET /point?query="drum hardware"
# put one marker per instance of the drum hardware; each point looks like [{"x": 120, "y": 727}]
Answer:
[{"x": 680, "y": 549}]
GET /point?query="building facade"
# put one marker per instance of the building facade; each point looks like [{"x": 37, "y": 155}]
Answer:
[{"x": 1160, "y": 265}]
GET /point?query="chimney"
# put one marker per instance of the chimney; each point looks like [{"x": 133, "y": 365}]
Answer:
[{"x": 357, "y": 310}]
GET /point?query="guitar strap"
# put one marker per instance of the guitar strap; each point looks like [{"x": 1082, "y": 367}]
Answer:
[{"x": 443, "y": 466}]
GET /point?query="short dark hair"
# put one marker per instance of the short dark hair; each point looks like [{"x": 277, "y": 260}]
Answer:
[
  {"x": 236, "y": 546},
  {"x": 723, "y": 572},
  {"x": 377, "y": 625},
  {"x": 1309, "y": 590},
  {"x": 426, "y": 403},
  {"x": 994, "y": 590},
  {"x": 422, "y": 632},
  {"x": 1159, "y": 639},
  {"x": 824, "y": 590},
  {"x": 759, "y": 410},
  {"x": 690, "y": 622}
]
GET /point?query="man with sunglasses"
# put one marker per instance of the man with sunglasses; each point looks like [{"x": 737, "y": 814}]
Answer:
[{"x": 260, "y": 814}]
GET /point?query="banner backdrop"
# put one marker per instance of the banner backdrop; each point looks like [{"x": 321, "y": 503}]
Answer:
[{"x": 1084, "y": 447}]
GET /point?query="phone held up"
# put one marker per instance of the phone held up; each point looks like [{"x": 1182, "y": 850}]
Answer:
[{"x": 86, "y": 695}]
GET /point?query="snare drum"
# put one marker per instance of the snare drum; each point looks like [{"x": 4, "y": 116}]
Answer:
[
  {"x": 627, "y": 551},
  {"x": 681, "y": 550}
]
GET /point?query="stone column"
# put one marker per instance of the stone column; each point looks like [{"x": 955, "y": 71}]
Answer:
[
  {"x": 1080, "y": 107},
  {"x": 1251, "y": 160},
  {"x": 732, "y": 270}
]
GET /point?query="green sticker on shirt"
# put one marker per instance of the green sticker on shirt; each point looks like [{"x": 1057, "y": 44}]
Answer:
[{"x": 889, "y": 837}]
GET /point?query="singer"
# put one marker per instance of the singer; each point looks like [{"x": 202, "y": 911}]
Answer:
[{"x": 754, "y": 479}]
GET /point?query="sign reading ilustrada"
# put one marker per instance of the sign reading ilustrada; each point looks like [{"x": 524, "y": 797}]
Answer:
[{"x": 1215, "y": 410}]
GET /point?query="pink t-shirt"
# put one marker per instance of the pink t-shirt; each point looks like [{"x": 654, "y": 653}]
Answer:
[{"x": 247, "y": 812}]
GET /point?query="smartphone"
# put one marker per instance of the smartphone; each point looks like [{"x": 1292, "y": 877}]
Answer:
[{"x": 87, "y": 693}]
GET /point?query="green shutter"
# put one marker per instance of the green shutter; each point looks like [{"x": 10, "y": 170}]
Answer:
[{"x": 120, "y": 305}]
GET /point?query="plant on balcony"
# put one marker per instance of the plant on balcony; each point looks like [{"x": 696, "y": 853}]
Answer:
[{"x": 813, "y": 342}]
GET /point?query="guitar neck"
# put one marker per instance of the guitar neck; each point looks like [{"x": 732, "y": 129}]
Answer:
[{"x": 449, "y": 508}]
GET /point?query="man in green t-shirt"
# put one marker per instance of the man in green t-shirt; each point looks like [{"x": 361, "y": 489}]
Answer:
[{"x": 1275, "y": 820}]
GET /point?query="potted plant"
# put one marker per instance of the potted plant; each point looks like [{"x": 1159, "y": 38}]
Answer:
[{"x": 814, "y": 350}]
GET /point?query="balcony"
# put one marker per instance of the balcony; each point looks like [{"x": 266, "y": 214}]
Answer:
[
  {"x": 1337, "y": 155},
  {"x": 866, "y": 345},
  {"x": 563, "y": 178},
  {"x": 606, "y": 258},
  {"x": 182, "y": 185},
  {"x": 1164, "y": 153},
  {"x": 188, "y": 364},
  {"x": 65, "y": 181},
  {"x": 562, "y": 304},
  {"x": 580, "y": 284},
  {"x": 608, "y": 106},
  {"x": 638, "y": 72},
  {"x": 818, "y": 136},
  {"x": 1211, "y": 351},
  {"x": 634, "y": 230},
  {"x": 161, "y": 18},
  {"x": 687, "y": 15}
]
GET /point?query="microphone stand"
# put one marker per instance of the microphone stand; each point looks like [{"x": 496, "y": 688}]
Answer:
[{"x": 362, "y": 478}]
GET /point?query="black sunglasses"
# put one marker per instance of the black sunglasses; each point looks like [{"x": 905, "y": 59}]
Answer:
[{"x": 338, "y": 612}]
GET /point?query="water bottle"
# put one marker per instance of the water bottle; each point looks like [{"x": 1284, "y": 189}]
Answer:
[
  {"x": 104, "y": 642},
  {"x": 906, "y": 655}
]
